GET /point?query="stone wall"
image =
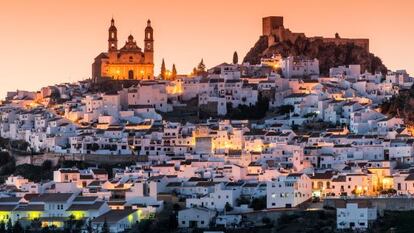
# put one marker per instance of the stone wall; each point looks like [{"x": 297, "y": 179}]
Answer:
[
  {"x": 382, "y": 204},
  {"x": 274, "y": 29}
]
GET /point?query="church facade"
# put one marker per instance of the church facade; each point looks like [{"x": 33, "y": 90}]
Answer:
[{"x": 128, "y": 62}]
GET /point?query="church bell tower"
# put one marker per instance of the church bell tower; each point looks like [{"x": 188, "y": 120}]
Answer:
[
  {"x": 112, "y": 37},
  {"x": 149, "y": 44}
]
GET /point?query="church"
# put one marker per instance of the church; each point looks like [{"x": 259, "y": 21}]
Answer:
[{"x": 128, "y": 62}]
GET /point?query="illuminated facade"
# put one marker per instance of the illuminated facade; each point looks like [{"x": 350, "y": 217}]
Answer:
[{"x": 127, "y": 63}]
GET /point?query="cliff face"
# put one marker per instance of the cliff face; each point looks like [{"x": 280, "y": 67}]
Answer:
[{"x": 329, "y": 54}]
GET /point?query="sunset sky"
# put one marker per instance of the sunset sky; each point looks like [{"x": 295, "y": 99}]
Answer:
[{"x": 45, "y": 42}]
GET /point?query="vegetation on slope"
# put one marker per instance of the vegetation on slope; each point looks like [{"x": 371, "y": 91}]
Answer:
[{"x": 401, "y": 105}]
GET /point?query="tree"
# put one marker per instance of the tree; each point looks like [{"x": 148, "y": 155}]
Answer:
[
  {"x": 235, "y": 58},
  {"x": 46, "y": 229},
  {"x": 163, "y": 69},
  {"x": 2, "y": 226},
  {"x": 144, "y": 226},
  {"x": 267, "y": 221},
  {"x": 258, "y": 203},
  {"x": 201, "y": 68},
  {"x": 176, "y": 207},
  {"x": 9, "y": 226},
  {"x": 105, "y": 227},
  {"x": 36, "y": 225},
  {"x": 242, "y": 201},
  {"x": 174, "y": 72},
  {"x": 47, "y": 165},
  {"x": 17, "y": 227},
  {"x": 228, "y": 207},
  {"x": 285, "y": 109},
  {"x": 89, "y": 227},
  {"x": 4, "y": 158}
]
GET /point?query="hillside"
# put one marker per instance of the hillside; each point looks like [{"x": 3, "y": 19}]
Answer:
[
  {"x": 401, "y": 106},
  {"x": 329, "y": 54}
]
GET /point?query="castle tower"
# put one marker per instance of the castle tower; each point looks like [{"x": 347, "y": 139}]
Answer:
[
  {"x": 149, "y": 44},
  {"x": 112, "y": 37},
  {"x": 270, "y": 24}
]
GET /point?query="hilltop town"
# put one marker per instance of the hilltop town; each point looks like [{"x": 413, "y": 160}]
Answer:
[{"x": 231, "y": 147}]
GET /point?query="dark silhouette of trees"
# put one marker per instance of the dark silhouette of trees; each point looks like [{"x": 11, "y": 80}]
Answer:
[
  {"x": 235, "y": 58},
  {"x": 174, "y": 72},
  {"x": 163, "y": 70}
]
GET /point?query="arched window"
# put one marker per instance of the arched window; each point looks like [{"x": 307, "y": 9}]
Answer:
[
  {"x": 112, "y": 35},
  {"x": 131, "y": 59},
  {"x": 148, "y": 35}
]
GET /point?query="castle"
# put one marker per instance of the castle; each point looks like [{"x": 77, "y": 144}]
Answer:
[
  {"x": 127, "y": 63},
  {"x": 275, "y": 31}
]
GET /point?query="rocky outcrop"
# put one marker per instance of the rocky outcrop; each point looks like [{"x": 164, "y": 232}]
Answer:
[
  {"x": 329, "y": 54},
  {"x": 401, "y": 105}
]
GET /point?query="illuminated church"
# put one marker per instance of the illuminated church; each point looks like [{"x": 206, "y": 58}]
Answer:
[{"x": 128, "y": 62}]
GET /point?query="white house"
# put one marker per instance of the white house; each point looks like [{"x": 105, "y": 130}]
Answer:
[
  {"x": 289, "y": 190},
  {"x": 355, "y": 215},
  {"x": 299, "y": 66},
  {"x": 195, "y": 217}
]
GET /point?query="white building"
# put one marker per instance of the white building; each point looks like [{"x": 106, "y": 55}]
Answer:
[
  {"x": 195, "y": 217},
  {"x": 289, "y": 191},
  {"x": 355, "y": 215},
  {"x": 299, "y": 66}
]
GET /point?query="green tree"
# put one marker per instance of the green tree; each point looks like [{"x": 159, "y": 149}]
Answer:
[
  {"x": 163, "y": 70},
  {"x": 235, "y": 58}
]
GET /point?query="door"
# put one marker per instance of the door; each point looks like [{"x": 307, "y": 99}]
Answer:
[{"x": 131, "y": 74}]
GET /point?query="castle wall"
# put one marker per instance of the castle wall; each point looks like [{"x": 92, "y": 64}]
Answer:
[
  {"x": 275, "y": 31},
  {"x": 364, "y": 43}
]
